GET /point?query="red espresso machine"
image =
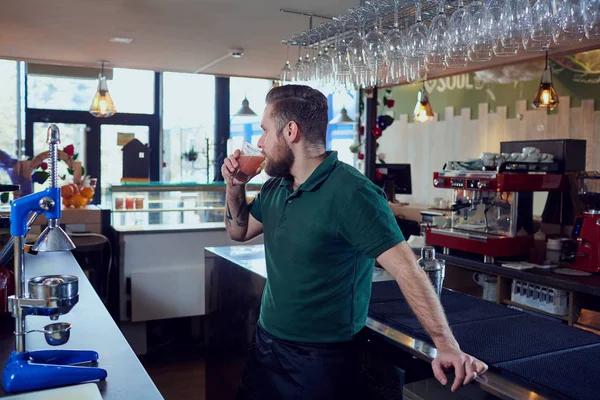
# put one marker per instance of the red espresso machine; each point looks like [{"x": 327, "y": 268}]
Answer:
[
  {"x": 492, "y": 211},
  {"x": 586, "y": 229}
]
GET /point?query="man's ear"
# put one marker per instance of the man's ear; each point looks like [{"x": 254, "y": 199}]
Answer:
[{"x": 292, "y": 132}]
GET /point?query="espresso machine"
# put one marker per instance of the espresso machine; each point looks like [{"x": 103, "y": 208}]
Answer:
[
  {"x": 44, "y": 296},
  {"x": 586, "y": 229},
  {"x": 492, "y": 211}
]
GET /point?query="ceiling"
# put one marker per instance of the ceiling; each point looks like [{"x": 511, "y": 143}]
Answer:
[{"x": 169, "y": 35}]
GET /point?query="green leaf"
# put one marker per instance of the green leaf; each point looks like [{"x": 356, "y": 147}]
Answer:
[
  {"x": 75, "y": 156},
  {"x": 4, "y": 197},
  {"x": 82, "y": 171},
  {"x": 39, "y": 177},
  {"x": 388, "y": 91},
  {"x": 70, "y": 171},
  {"x": 385, "y": 99}
]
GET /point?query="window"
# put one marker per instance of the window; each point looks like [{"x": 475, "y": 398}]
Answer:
[
  {"x": 131, "y": 90},
  {"x": 247, "y": 128},
  {"x": 111, "y": 154},
  {"x": 188, "y": 127},
  {"x": 341, "y": 136},
  {"x": 8, "y": 117}
]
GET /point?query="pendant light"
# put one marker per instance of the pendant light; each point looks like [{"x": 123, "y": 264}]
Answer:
[
  {"x": 423, "y": 110},
  {"x": 342, "y": 118},
  {"x": 102, "y": 104},
  {"x": 546, "y": 96},
  {"x": 245, "y": 111}
]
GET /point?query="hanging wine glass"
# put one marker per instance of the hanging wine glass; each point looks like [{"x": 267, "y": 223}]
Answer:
[
  {"x": 516, "y": 23},
  {"x": 479, "y": 33},
  {"x": 396, "y": 48},
  {"x": 438, "y": 40},
  {"x": 377, "y": 47},
  {"x": 569, "y": 21},
  {"x": 323, "y": 63},
  {"x": 543, "y": 26},
  {"x": 591, "y": 18},
  {"x": 286, "y": 73},
  {"x": 417, "y": 47},
  {"x": 299, "y": 66},
  {"x": 356, "y": 49},
  {"x": 458, "y": 46},
  {"x": 499, "y": 12},
  {"x": 341, "y": 60}
]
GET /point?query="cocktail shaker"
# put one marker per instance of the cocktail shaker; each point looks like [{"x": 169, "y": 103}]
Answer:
[{"x": 434, "y": 268}]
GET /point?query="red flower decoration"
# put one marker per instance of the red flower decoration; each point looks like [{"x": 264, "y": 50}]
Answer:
[
  {"x": 361, "y": 130},
  {"x": 70, "y": 150},
  {"x": 44, "y": 166},
  {"x": 378, "y": 175},
  {"x": 377, "y": 132},
  {"x": 361, "y": 156},
  {"x": 390, "y": 103}
]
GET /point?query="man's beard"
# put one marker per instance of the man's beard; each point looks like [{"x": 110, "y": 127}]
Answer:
[{"x": 281, "y": 166}]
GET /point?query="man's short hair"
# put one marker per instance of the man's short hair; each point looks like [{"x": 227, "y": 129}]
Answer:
[{"x": 304, "y": 105}]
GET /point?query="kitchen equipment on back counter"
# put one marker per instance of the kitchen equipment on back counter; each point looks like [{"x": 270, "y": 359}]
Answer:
[
  {"x": 492, "y": 210},
  {"x": 586, "y": 229},
  {"x": 489, "y": 283}
]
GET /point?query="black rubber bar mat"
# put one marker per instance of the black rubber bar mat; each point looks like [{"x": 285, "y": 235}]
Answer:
[
  {"x": 459, "y": 309},
  {"x": 519, "y": 336},
  {"x": 573, "y": 373}
]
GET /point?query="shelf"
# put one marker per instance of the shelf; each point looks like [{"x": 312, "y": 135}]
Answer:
[
  {"x": 152, "y": 187},
  {"x": 524, "y": 307},
  {"x": 170, "y": 209}
]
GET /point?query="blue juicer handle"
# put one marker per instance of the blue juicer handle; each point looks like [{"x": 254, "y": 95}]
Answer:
[
  {"x": 20, "y": 374},
  {"x": 21, "y": 207}
]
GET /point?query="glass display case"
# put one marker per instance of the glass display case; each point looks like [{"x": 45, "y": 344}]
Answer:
[{"x": 156, "y": 203}]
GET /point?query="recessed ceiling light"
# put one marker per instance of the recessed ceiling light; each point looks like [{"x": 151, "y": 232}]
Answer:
[{"x": 119, "y": 39}]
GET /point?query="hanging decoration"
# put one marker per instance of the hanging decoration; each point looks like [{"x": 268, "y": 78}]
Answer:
[{"x": 383, "y": 121}]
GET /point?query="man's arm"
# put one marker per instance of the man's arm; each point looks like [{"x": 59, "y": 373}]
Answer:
[
  {"x": 241, "y": 225},
  {"x": 400, "y": 262}
]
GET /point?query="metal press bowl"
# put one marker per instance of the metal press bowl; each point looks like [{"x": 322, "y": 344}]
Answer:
[
  {"x": 53, "y": 287},
  {"x": 57, "y": 333}
]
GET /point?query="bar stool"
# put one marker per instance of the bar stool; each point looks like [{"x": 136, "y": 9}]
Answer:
[{"x": 91, "y": 254}]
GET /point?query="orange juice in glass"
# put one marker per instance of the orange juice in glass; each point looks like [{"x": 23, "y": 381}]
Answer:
[{"x": 250, "y": 159}]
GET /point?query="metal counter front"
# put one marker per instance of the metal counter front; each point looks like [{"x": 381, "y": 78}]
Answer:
[{"x": 493, "y": 333}]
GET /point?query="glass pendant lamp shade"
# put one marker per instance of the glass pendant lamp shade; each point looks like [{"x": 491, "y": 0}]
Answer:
[
  {"x": 423, "y": 109},
  {"x": 102, "y": 104},
  {"x": 546, "y": 96}
]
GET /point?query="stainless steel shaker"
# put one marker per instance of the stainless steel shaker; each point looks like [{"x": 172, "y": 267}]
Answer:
[{"x": 434, "y": 268}]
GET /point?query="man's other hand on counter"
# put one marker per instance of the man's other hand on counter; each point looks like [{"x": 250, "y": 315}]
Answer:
[
  {"x": 466, "y": 367},
  {"x": 400, "y": 262}
]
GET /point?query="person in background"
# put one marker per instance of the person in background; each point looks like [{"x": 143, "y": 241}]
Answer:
[{"x": 324, "y": 225}]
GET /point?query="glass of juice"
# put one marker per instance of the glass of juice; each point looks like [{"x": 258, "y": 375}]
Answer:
[{"x": 250, "y": 159}]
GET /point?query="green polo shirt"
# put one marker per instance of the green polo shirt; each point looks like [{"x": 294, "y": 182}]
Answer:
[{"x": 321, "y": 242}]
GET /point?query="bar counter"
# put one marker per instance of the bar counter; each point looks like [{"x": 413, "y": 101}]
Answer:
[
  {"x": 92, "y": 329},
  {"x": 526, "y": 353}
]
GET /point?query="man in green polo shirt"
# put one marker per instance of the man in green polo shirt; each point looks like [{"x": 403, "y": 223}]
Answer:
[{"x": 324, "y": 225}]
